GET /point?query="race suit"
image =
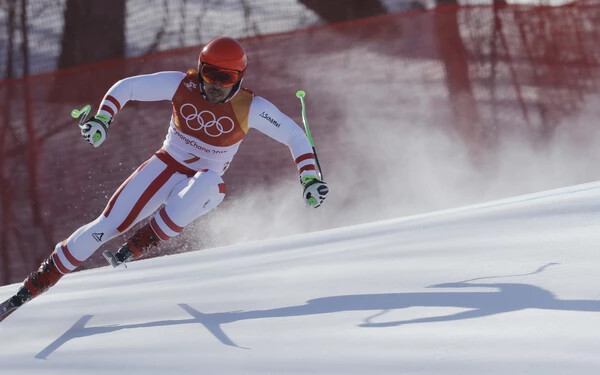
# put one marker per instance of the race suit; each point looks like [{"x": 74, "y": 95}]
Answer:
[{"x": 184, "y": 176}]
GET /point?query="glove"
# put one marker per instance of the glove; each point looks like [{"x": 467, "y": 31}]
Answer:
[
  {"x": 314, "y": 192},
  {"x": 95, "y": 129}
]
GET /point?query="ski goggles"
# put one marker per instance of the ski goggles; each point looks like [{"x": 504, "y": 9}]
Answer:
[{"x": 213, "y": 74}]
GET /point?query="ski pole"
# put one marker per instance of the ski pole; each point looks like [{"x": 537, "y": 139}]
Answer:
[
  {"x": 300, "y": 95},
  {"x": 82, "y": 115},
  {"x": 76, "y": 113}
]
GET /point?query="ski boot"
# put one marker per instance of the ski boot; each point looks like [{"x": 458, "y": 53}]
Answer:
[
  {"x": 46, "y": 276},
  {"x": 143, "y": 240}
]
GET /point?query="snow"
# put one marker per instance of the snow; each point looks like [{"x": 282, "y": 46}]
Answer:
[{"x": 504, "y": 287}]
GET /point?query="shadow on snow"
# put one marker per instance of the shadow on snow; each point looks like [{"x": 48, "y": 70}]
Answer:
[{"x": 508, "y": 297}]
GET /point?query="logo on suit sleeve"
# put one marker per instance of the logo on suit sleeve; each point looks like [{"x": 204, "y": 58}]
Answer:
[{"x": 270, "y": 119}]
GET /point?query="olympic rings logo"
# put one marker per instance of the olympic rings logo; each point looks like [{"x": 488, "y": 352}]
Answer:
[{"x": 207, "y": 121}]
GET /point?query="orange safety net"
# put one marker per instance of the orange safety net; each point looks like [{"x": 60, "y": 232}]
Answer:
[{"x": 480, "y": 73}]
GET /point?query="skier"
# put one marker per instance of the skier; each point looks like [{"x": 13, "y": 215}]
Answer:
[{"x": 211, "y": 115}]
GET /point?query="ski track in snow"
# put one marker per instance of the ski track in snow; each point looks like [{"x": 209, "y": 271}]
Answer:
[{"x": 506, "y": 287}]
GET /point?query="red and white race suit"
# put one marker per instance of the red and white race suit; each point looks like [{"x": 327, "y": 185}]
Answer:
[{"x": 185, "y": 174}]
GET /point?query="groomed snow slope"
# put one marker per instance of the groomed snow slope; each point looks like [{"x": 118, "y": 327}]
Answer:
[{"x": 508, "y": 287}]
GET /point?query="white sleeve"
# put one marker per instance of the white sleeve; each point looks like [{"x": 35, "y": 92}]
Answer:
[
  {"x": 148, "y": 87},
  {"x": 266, "y": 118}
]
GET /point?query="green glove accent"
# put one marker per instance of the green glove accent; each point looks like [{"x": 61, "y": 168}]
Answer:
[
  {"x": 307, "y": 179},
  {"x": 104, "y": 118}
]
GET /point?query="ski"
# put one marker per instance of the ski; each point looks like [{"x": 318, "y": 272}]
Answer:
[
  {"x": 8, "y": 307},
  {"x": 112, "y": 259}
]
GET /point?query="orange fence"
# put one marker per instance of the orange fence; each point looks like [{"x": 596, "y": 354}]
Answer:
[{"x": 479, "y": 75}]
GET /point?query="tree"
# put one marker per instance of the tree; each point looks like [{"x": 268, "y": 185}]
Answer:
[
  {"x": 343, "y": 10},
  {"x": 93, "y": 31}
]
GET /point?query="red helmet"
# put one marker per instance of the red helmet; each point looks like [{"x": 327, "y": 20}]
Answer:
[{"x": 225, "y": 53}]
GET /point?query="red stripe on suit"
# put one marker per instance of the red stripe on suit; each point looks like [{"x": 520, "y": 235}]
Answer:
[
  {"x": 108, "y": 109},
  {"x": 304, "y": 157},
  {"x": 114, "y": 101},
  {"x": 113, "y": 199},
  {"x": 61, "y": 267},
  {"x": 159, "y": 232},
  {"x": 174, "y": 227},
  {"x": 75, "y": 262},
  {"x": 152, "y": 189},
  {"x": 164, "y": 156},
  {"x": 308, "y": 167}
]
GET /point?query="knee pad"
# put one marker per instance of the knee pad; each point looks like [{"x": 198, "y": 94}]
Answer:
[
  {"x": 199, "y": 195},
  {"x": 203, "y": 190}
]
